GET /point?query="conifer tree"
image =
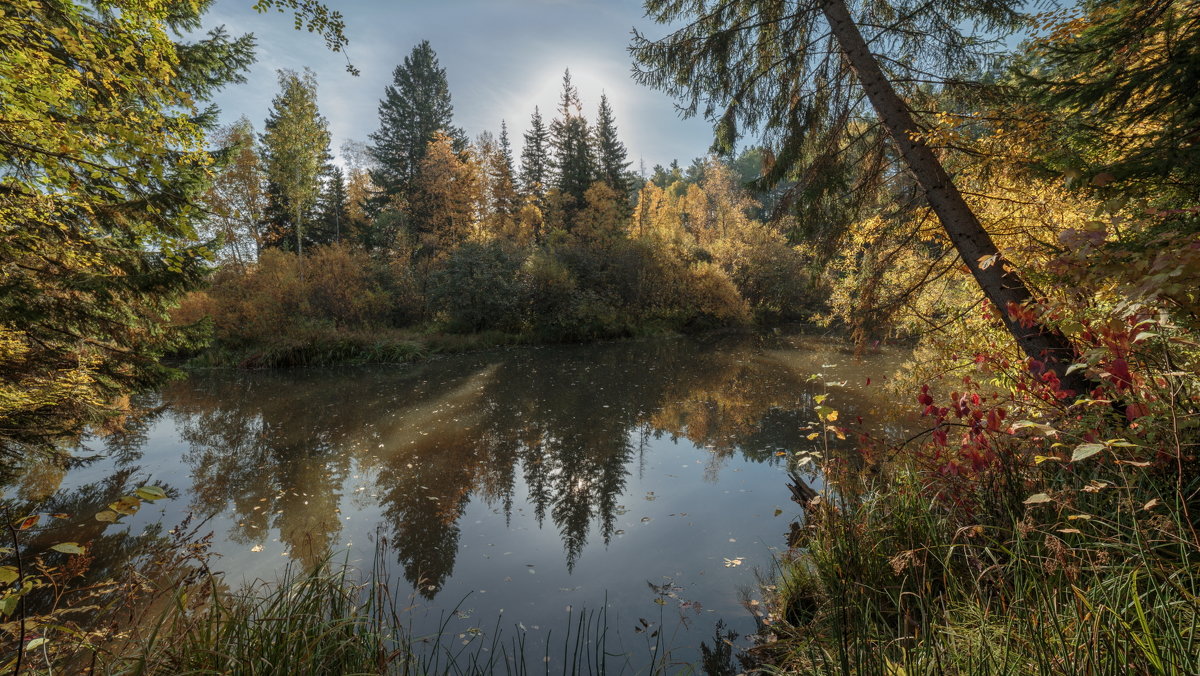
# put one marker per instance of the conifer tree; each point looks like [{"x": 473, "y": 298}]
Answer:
[
  {"x": 612, "y": 158},
  {"x": 103, "y": 161},
  {"x": 296, "y": 153},
  {"x": 503, "y": 202},
  {"x": 571, "y": 142},
  {"x": 333, "y": 213},
  {"x": 796, "y": 71},
  {"x": 535, "y": 159},
  {"x": 415, "y": 107}
]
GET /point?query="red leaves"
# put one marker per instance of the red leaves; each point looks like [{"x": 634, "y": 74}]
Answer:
[{"x": 1118, "y": 370}]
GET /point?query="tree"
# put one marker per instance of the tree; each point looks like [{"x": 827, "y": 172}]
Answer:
[
  {"x": 535, "y": 159},
  {"x": 415, "y": 107},
  {"x": 1116, "y": 87},
  {"x": 296, "y": 152},
  {"x": 103, "y": 162},
  {"x": 237, "y": 200},
  {"x": 571, "y": 141},
  {"x": 502, "y": 200},
  {"x": 333, "y": 213},
  {"x": 791, "y": 69},
  {"x": 447, "y": 196},
  {"x": 612, "y": 161}
]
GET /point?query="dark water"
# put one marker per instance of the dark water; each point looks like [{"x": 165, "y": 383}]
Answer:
[{"x": 525, "y": 485}]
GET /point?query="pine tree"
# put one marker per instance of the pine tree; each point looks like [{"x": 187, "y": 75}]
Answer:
[
  {"x": 535, "y": 159},
  {"x": 415, "y": 107},
  {"x": 612, "y": 158},
  {"x": 296, "y": 153},
  {"x": 571, "y": 142}
]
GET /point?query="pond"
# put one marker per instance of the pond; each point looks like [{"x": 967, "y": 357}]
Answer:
[{"x": 511, "y": 489}]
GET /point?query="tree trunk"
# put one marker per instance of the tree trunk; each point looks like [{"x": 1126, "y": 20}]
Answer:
[{"x": 999, "y": 281}]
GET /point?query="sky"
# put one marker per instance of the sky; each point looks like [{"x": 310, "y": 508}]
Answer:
[{"x": 502, "y": 57}]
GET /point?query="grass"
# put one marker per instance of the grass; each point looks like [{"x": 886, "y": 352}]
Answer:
[
  {"x": 896, "y": 574},
  {"x": 327, "y": 621}
]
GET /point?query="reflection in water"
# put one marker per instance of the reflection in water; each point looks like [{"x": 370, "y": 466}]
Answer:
[
  {"x": 557, "y": 429},
  {"x": 511, "y": 483}
]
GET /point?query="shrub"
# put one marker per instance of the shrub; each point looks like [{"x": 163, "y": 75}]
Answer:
[{"x": 477, "y": 287}]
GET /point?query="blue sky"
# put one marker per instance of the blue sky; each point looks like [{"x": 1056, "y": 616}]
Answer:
[{"x": 502, "y": 58}]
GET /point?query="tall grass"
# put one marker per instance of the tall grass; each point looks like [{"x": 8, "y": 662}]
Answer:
[
  {"x": 326, "y": 621},
  {"x": 896, "y": 575}
]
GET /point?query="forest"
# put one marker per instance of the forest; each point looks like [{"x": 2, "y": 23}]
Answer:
[
  {"x": 1007, "y": 194},
  {"x": 427, "y": 233}
]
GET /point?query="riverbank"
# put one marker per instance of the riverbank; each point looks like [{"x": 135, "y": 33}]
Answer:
[{"x": 1019, "y": 533}]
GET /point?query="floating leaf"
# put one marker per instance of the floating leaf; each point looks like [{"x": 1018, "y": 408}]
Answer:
[
  {"x": 1037, "y": 499},
  {"x": 256, "y": 548},
  {"x": 814, "y": 435},
  {"x": 68, "y": 548},
  {"x": 107, "y": 515},
  {"x": 151, "y": 493},
  {"x": 1084, "y": 451},
  {"x": 29, "y": 522},
  {"x": 126, "y": 504}
]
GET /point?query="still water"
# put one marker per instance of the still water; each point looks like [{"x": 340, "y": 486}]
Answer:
[{"x": 510, "y": 489}]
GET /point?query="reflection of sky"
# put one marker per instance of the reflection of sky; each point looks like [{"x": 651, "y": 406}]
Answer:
[
  {"x": 693, "y": 426},
  {"x": 502, "y": 59}
]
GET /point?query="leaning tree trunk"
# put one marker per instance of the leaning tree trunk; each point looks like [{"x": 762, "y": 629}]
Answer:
[{"x": 999, "y": 281}]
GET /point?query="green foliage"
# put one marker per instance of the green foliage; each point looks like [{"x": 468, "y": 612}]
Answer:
[
  {"x": 571, "y": 141},
  {"x": 535, "y": 158},
  {"x": 611, "y": 157},
  {"x": 414, "y": 108},
  {"x": 477, "y": 288},
  {"x": 1124, "y": 73},
  {"x": 102, "y": 162},
  {"x": 295, "y": 145}
]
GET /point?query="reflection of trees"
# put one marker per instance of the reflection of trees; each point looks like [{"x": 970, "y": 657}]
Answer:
[{"x": 277, "y": 448}]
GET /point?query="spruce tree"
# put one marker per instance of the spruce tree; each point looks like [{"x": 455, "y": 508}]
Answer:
[
  {"x": 535, "y": 159},
  {"x": 296, "y": 154},
  {"x": 571, "y": 142},
  {"x": 500, "y": 168},
  {"x": 333, "y": 214},
  {"x": 103, "y": 164},
  {"x": 415, "y": 107},
  {"x": 612, "y": 158}
]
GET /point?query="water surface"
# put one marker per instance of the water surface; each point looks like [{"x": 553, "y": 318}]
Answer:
[{"x": 524, "y": 484}]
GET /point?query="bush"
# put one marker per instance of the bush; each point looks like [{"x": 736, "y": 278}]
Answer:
[{"x": 477, "y": 287}]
